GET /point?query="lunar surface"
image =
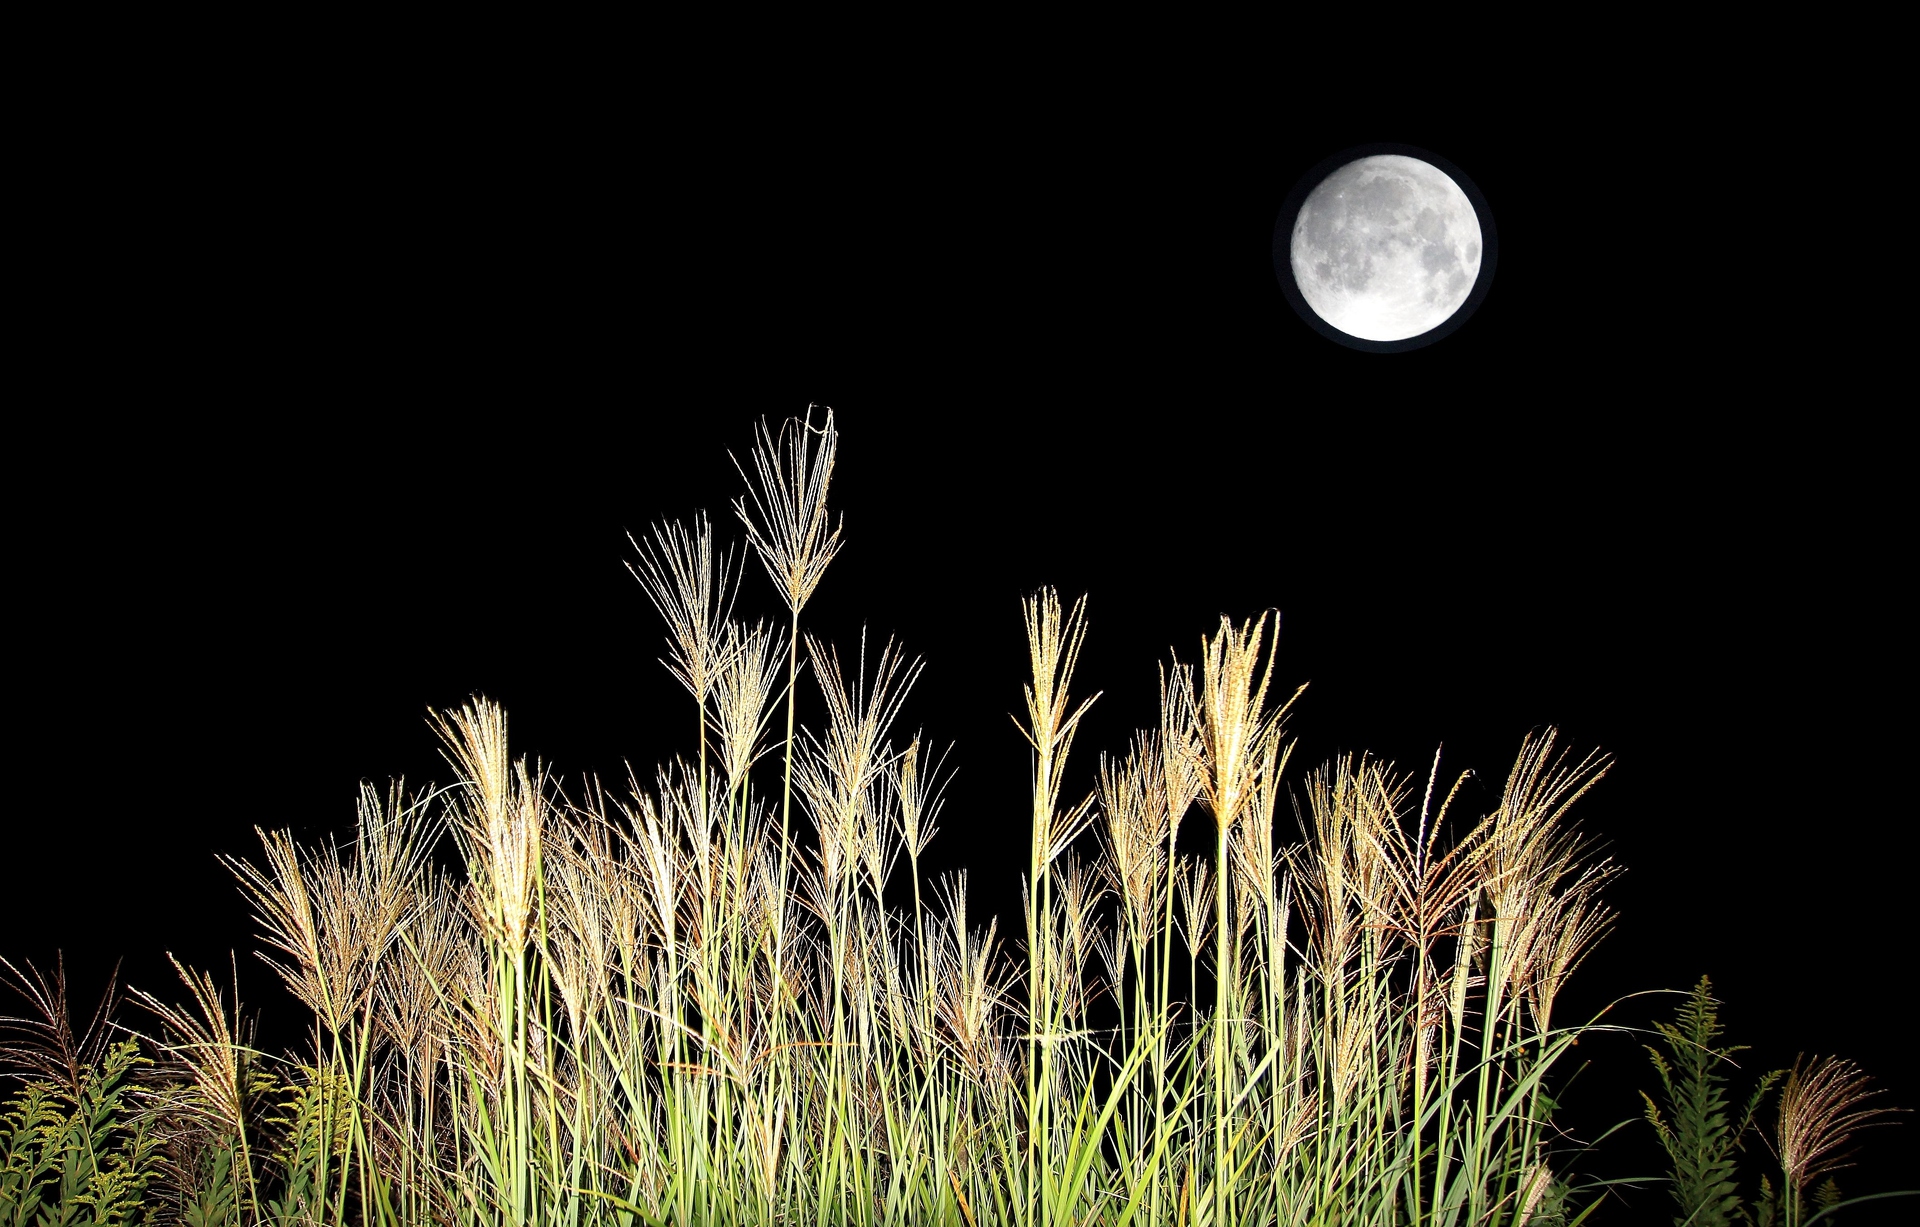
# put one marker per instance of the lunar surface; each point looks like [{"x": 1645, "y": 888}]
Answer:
[{"x": 1386, "y": 248}]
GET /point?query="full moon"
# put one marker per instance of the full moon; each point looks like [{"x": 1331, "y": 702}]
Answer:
[{"x": 1386, "y": 248}]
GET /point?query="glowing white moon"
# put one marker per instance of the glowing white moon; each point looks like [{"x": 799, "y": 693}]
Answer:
[{"x": 1386, "y": 248}]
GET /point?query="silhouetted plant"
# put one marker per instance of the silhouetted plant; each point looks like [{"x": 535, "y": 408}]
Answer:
[
  {"x": 1696, "y": 1129},
  {"x": 77, "y": 1154}
]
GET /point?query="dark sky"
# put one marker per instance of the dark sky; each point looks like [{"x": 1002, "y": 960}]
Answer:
[{"x": 334, "y": 410}]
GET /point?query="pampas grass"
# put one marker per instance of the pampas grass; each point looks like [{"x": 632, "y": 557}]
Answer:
[
  {"x": 669, "y": 1002},
  {"x": 665, "y": 1007}
]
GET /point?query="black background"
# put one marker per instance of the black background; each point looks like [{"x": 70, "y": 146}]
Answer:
[{"x": 338, "y": 386}]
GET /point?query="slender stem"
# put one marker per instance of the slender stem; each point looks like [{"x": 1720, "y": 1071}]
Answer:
[
  {"x": 786, "y": 780},
  {"x": 1222, "y": 1003},
  {"x": 1162, "y": 1005}
]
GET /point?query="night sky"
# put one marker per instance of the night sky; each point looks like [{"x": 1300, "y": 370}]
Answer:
[{"x": 337, "y": 406}]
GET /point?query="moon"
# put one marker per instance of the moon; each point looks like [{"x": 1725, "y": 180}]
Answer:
[{"x": 1386, "y": 248}]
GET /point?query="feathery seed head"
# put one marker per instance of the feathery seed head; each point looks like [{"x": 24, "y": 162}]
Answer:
[
  {"x": 1574, "y": 923},
  {"x": 850, "y": 758},
  {"x": 1134, "y": 797},
  {"x": 748, "y": 680},
  {"x": 1232, "y": 722},
  {"x": 1256, "y": 867},
  {"x": 680, "y": 576},
  {"x": 1534, "y": 1191},
  {"x": 211, "y": 1044},
  {"x": 498, "y": 819},
  {"x": 1527, "y": 845},
  {"x": 835, "y": 817},
  {"x": 1053, "y": 647},
  {"x": 437, "y": 936},
  {"x": 1820, "y": 1111},
  {"x": 877, "y": 849},
  {"x": 690, "y": 819},
  {"x": 968, "y": 998},
  {"x": 1196, "y": 896},
  {"x": 1081, "y": 894},
  {"x": 787, "y": 522},
  {"x": 46, "y": 1046},
  {"x": 1179, "y": 744},
  {"x": 335, "y": 914},
  {"x": 660, "y": 864},
  {"x": 918, "y": 793}
]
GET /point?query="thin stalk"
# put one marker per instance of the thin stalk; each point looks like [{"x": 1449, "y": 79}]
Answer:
[{"x": 1222, "y": 1004}]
